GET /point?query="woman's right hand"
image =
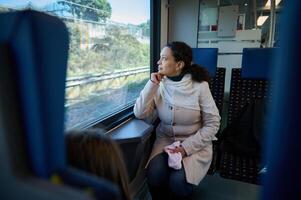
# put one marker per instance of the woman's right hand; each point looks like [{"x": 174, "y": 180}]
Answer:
[{"x": 156, "y": 77}]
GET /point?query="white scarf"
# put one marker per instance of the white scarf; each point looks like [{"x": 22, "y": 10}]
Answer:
[{"x": 182, "y": 93}]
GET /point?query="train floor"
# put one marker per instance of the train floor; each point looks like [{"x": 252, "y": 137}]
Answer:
[{"x": 214, "y": 187}]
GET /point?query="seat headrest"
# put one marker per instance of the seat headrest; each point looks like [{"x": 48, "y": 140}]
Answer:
[
  {"x": 257, "y": 63},
  {"x": 207, "y": 58}
]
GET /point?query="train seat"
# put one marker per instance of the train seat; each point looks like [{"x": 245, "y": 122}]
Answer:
[
  {"x": 207, "y": 57},
  {"x": 250, "y": 85},
  {"x": 34, "y": 50}
]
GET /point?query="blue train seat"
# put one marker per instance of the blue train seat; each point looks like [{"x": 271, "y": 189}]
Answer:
[
  {"x": 257, "y": 62},
  {"x": 207, "y": 58},
  {"x": 251, "y": 82},
  {"x": 34, "y": 50},
  {"x": 283, "y": 139}
]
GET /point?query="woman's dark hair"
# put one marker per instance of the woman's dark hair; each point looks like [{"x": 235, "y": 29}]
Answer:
[
  {"x": 94, "y": 152},
  {"x": 182, "y": 52}
]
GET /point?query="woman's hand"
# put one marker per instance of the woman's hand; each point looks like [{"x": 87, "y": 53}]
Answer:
[
  {"x": 156, "y": 77},
  {"x": 179, "y": 149}
]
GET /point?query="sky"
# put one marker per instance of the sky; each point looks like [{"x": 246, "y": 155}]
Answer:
[
  {"x": 124, "y": 11},
  {"x": 133, "y": 11},
  {"x": 12, "y": 3}
]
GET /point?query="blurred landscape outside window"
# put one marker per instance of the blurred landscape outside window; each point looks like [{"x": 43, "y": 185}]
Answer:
[{"x": 109, "y": 53}]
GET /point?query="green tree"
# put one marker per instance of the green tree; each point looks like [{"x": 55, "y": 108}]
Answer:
[
  {"x": 2, "y": 9},
  {"x": 117, "y": 50},
  {"x": 101, "y": 11},
  {"x": 145, "y": 28},
  {"x": 74, "y": 34},
  {"x": 121, "y": 49},
  {"x": 82, "y": 61}
]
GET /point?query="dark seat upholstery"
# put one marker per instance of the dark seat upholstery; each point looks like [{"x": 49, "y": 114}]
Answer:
[
  {"x": 250, "y": 82},
  {"x": 217, "y": 87},
  {"x": 34, "y": 50}
]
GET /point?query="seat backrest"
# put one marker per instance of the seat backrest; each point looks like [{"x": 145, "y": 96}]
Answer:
[
  {"x": 240, "y": 141},
  {"x": 217, "y": 87},
  {"x": 252, "y": 80},
  {"x": 207, "y": 58},
  {"x": 36, "y": 50},
  {"x": 283, "y": 139},
  {"x": 38, "y": 45},
  {"x": 257, "y": 63}
]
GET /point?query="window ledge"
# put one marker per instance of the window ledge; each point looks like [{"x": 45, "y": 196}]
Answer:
[{"x": 132, "y": 130}]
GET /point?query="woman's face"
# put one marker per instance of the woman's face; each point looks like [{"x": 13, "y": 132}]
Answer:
[{"x": 167, "y": 64}]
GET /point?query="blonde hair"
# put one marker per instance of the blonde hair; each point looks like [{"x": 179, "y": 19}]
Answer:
[{"x": 92, "y": 151}]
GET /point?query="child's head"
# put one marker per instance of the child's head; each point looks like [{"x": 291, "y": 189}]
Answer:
[{"x": 92, "y": 151}]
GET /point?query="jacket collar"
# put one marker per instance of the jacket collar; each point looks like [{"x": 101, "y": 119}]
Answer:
[{"x": 182, "y": 93}]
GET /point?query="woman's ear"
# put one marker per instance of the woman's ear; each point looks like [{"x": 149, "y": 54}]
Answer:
[{"x": 180, "y": 65}]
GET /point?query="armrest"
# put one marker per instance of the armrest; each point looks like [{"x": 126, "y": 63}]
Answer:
[
  {"x": 133, "y": 139},
  {"x": 134, "y": 130}
]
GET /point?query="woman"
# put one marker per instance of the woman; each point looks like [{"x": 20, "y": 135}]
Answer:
[
  {"x": 92, "y": 151},
  {"x": 179, "y": 95}
]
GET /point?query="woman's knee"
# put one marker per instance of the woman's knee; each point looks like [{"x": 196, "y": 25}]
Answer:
[
  {"x": 178, "y": 184},
  {"x": 157, "y": 171}
]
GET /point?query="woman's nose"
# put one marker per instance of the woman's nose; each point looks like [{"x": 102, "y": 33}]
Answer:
[{"x": 159, "y": 61}]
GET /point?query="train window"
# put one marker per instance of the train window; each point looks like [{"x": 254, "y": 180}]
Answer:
[{"x": 109, "y": 53}]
